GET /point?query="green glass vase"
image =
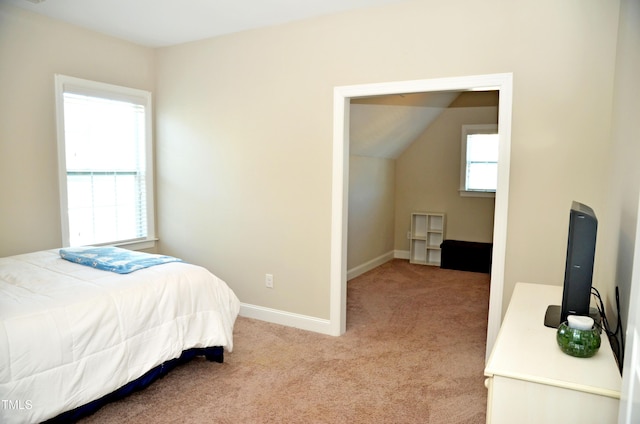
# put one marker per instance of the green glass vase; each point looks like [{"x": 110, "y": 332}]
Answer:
[{"x": 577, "y": 342}]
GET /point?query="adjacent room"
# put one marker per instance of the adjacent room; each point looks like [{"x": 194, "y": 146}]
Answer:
[
  {"x": 405, "y": 157},
  {"x": 310, "y": 228}
]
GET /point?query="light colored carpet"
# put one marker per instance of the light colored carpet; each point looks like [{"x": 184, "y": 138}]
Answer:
[{"x": 413, "y": 353}]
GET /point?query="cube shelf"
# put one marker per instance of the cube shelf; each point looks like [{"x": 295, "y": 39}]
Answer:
[{"x": 427, "y": 233}]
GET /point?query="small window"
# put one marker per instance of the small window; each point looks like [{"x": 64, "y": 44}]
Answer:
[
  {"x": 479, "y": 165},
  {"x": 104, "y": 156}
]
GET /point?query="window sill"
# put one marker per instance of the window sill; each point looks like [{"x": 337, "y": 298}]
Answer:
[
  {"x": 140, "y": 244},
  {"x": 473, "y": 193}
]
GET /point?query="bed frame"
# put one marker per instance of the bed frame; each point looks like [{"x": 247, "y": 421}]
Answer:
[{"x": 213, "y": 354}]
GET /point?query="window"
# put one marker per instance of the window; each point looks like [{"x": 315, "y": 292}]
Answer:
[
  {"x": 105, "y": 164},
  {"x": 479, "y": 165}
]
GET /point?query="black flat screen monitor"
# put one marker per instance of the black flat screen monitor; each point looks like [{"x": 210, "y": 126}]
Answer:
[{"x": 578, "y": 273}]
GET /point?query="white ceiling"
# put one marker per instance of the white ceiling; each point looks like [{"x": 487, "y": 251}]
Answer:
[{"x": 157, "y": 23}]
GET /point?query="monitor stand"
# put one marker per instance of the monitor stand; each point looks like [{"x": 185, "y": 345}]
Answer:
[{"x": 552, "y": 316}]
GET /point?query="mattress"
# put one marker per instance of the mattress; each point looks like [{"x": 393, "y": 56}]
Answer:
[{"x": 70, "y": 334}]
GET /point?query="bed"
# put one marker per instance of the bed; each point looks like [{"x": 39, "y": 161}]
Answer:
[{"x": 72, "y": 335}]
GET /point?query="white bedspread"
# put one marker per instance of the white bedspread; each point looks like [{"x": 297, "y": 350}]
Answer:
[{"x": 71, "y": 334}]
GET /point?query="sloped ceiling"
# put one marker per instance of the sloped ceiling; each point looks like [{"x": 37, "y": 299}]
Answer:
[{"x": 384, "y": 126}]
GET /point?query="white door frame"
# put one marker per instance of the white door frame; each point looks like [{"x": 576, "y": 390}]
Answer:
[
  {"x": 340, "y": 183},
  {"x": 630, "y": 391}
]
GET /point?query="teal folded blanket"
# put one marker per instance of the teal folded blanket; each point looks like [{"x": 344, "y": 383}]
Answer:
[{"x": 114, "y": 259}]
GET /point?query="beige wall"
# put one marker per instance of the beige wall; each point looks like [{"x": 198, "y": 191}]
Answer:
[
  {"x": 245, "y": 131},
  {"x": 372, "y": 187},
  {"x": 616, "y": 234},
  {"x": 244, "y": 128},
  {"x": 32, "y": 50},
  {"x": 428, "y": 179}
]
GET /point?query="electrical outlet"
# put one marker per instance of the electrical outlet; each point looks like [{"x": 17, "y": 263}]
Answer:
[
  {"x": 408, "y": 235},
  {"x": 268, "y": 280}
]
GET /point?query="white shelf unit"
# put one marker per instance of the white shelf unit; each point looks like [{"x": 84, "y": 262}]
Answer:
[{"x": 427, "y": 233}]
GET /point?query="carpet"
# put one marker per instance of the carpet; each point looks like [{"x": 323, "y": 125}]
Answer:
[{"x": 413, "y": 353}]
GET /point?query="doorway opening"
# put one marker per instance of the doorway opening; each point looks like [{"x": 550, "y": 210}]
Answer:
[{"x": 503, "y": 83}]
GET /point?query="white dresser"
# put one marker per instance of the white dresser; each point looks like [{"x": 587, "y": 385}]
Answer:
[{"x": 530, "y": 380}]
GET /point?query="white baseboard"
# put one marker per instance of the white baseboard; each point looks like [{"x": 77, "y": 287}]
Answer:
[
  {"x": 401, "y": 254},
  {"x": 288, "y": 319},
  {"x": 376, "y": 262},
  {"x": 309, "y": 323},
  {"x": 368, "y": 266}
]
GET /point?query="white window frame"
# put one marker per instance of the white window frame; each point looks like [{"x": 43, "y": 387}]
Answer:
[
  {"x": 65, "y": 84},
  {"x": 467, "y": 130}
]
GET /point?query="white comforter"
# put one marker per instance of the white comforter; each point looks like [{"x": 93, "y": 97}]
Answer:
[{"x": 70, "y": 334}]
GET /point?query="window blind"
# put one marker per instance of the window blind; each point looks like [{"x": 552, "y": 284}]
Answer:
[
  {"x": 482, "y": 162},
  {"x": 105, "y": 169}
]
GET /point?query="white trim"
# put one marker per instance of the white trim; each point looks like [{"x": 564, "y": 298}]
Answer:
[
  {"x": 631, "y": 369},
  {"x": 476, "y": 193},
  {"x": 342, "y": 96},
  {"x": 402, "y": 254},
  {"x": 339, "y": 214},
  {"x": 501, "y": 213},
  {"x": 63, "y": 84},
  {"x": 466, "y": 130},
  {"x": 138, "y": 244},
  {"x": 289, "y": 319},
  {"x": 62, "y": 159},
  {"x": 369, "y": 265}
]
